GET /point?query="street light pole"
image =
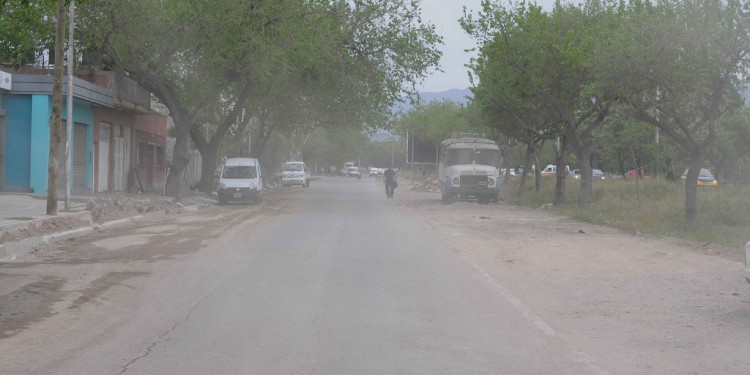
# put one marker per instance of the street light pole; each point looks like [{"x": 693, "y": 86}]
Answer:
[
  {"x": 69, "y": 119},
  {"x": 392, "y": 140}
]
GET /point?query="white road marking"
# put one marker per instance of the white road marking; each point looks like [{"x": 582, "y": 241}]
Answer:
[{"x": 576, "y": 354}]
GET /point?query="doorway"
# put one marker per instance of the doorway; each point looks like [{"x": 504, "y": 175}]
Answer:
[
  {"x": 103, "y": 160},
  {"x": 78, "y": 156}
]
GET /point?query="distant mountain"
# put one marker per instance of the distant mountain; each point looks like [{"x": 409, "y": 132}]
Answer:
[{"x": 460, "y": 96}]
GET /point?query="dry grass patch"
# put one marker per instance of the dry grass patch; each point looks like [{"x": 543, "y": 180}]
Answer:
[{"x": 657, "y": 208}]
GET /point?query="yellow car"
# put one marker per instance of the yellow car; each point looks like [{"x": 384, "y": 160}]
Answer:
[{"x": 705, "y": 178}]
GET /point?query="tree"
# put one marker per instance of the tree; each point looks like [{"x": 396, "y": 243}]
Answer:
[
  {"x": 435, "y": 121},
  {"x": 685, "y": 60},
  {"x": 351, "y": 57},
  {"x": 27, "y": 29},
  {"x": 507, "y": 100},
  {"x": 552, "y": 56}
]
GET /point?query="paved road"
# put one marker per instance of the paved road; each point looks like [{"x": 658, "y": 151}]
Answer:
[{"x": 334, "y": 279}]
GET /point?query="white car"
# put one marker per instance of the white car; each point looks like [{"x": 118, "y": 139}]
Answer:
[
  {"x": 596, "y": 174},
  {"x": 353, "y": 171},
  {"x": 295, "y": 173}
]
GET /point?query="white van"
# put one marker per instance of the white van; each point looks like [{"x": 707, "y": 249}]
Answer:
[
  {"x": 240, "y": 179},
  {"x": 295, "y": 173},
  {"x": 551, "y": 170}
]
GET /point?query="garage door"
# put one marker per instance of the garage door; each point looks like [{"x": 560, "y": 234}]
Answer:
[{"x": 79, "y": 156}]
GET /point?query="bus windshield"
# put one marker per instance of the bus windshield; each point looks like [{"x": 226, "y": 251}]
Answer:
[{"x": 472, "y": 156}]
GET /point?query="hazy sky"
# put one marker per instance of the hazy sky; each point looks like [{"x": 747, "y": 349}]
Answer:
[{"x": 444, "y": 14}]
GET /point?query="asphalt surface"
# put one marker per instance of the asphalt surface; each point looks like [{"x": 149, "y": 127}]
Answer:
[{"x": 332, "y": 279}]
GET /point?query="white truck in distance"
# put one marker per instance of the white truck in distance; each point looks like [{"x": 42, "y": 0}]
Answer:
[{"x": 469, "y": 168}]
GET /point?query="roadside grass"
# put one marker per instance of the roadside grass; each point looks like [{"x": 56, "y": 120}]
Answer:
[{"x": 723, "y": 213}]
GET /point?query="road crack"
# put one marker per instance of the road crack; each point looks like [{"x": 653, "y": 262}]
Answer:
[{"x": 164, "y": 336}]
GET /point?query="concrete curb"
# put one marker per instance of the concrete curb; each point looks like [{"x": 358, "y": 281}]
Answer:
[{"x": 12, "y": 250}]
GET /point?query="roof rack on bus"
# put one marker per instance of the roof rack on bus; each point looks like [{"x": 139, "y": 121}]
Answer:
[{"x": 467, "y": 135}]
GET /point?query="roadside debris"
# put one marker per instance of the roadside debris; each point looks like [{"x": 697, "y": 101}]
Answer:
[
  {"x": 105, "y": 208},
  {"x": 430, "y": 186}
]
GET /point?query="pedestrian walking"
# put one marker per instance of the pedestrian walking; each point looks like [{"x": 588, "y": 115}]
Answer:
[{"x": 390, "y": 182}]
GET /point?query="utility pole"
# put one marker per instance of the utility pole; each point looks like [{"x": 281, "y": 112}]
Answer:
[
  {"x": 656, "y": 139},
  {"x": 69, "y": 122},
  {"x": 392, "y": 141}
]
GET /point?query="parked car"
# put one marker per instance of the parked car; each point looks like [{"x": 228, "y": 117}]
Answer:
[
  {"x": 353, "y": 171},
  {"x": 240, "y": 179},
  {"x": 596, "y": 174},
  {"x": 632, "y": 173},
  {"x": 551, "y": 170},
  {"x": 295, "y": 173},
  {"x": 376, "y": 171},
  {"x": 509, "y": 171},
  {"x": 705, "y": 178}
]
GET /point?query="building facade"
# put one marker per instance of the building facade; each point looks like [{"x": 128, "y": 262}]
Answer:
[{"x": 117, "y": 144}]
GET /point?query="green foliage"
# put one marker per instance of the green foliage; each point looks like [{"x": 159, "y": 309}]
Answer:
[
  {"x": 730, "y": 156},
  {"x": 27, "y": 29},
  {"x": 538, "y": 78},
  {"x": 435, "y": 121}
]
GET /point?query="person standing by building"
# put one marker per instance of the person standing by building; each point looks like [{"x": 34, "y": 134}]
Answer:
[{"x": 390, "y": 182}]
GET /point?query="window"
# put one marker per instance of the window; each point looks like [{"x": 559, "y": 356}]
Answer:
[
  {"x": 239, "y": 172},
  {"x": 471, "y": 156},
  {"x": 293, "y": 167}
]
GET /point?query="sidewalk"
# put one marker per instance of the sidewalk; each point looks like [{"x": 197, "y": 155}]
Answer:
[
  {"x": 17, "y": 208},
  {"x": 25, "y": 226}
]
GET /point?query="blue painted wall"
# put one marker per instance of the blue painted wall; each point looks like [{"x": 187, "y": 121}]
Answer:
[
  {"x": 18, "y": 140},
  {"x": 83, "y": 113},
  {"x": 41, "y": 112},
  {"x": 28, "y": 140}
]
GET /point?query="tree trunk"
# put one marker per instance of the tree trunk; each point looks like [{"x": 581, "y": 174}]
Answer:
[
  {"x": 537, "y": 171},
  {"x": 180, "y": 159},
  {"x": 526, "y": 165},
  {"x": 260, "y": 135},
  {"x": 55, "y": 126},
  {"x": 209, "y": 149},
  {"x": 587, "y": 186},
  {"x": 562, "y": 173},
  {"x": 209, "y": 159},
  {"x": 508, "y": 161},
  {"x": 691, "y": 188}
]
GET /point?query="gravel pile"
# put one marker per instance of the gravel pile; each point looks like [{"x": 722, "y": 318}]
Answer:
[{"x": 432, "y": 185}]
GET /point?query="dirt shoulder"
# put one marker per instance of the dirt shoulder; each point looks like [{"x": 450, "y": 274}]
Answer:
[{"x": 640, "y": 305}]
